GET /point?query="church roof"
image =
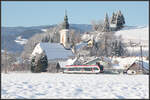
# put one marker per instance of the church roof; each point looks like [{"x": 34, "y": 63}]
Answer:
[{"x": 53, "y": 51}]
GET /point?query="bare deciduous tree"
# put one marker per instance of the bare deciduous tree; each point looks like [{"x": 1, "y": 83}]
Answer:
[{"x": 97, "y": 25}]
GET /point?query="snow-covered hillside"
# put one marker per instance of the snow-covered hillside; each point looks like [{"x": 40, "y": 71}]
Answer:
[
  {"x": 135, "y": 34},
  {"x": 90, "y": 86}
]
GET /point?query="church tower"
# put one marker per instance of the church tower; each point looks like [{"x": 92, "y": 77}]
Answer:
[
  {"x": 64, "y": 33},
  {"x": 65, "y": 24}
]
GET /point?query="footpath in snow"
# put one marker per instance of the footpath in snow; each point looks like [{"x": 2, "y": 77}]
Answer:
[{"x": 90, "y": 86}]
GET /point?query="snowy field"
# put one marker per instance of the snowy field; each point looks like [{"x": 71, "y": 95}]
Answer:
[{"x": 92, "y": 86}]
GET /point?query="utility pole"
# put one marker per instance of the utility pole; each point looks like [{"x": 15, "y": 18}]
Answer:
[{"x": 141, "y": 56}]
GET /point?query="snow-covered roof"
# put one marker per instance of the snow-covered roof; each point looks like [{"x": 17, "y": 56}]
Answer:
[
  {"x": 127, "y": 61},
  {"x": 53, "y": 51},
  {"x": 80, "y": 45},
  {"x": 68, "y": 62}
]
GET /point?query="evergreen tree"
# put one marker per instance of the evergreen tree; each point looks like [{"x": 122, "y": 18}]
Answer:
[
  {"x": 120, "y": 21},
  {"x": 39, "y": 63},
  {"x": 32, "y": 64},
  {"x": 123, "y": 19},
  {"x": 106, "y": 27},
  {"x": 117, "y": 48},
  {"x": 113, "y": 18}
]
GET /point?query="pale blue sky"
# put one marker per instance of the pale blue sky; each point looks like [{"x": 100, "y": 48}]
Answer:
[{"x": 27, "y": 13}]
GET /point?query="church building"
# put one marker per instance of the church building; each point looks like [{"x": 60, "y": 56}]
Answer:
[{"x": 65, "y": 39}]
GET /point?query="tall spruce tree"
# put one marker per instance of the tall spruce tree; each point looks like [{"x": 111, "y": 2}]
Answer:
[
  {"x": 106, "y": 27},
  {"x": 113, "y": 18},
  {"x": 120, "y": 21},
  {"x": 123, "y": 19}
]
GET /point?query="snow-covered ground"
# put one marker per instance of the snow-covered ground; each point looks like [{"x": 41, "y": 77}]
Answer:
[
  {"x": 20, "y": 40},
  {"x": 92, "y": 86}
]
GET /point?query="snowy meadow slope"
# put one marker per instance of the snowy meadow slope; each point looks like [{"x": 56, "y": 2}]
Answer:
[
  {"x": 135, "y": 34},
  {"x": 92, "y": 86}
]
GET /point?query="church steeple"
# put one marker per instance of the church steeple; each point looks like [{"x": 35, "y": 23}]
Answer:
[{"x": 65, "y": 24}]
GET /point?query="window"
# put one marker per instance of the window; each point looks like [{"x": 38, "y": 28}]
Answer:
[{"x": 88, "y": 69}]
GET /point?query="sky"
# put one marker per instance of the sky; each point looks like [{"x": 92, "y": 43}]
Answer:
[{"x": 35, "y": 13}]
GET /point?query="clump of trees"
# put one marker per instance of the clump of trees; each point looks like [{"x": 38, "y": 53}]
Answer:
[
  {"x": 102, "y": 46},
  {"x": 105, "y": 44},
  {"x": 118, "y": 48},
  {"x": 118, "y": 19},
  {"x": 39, "y": 63},
  {"x": 13, "y": 62}
]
